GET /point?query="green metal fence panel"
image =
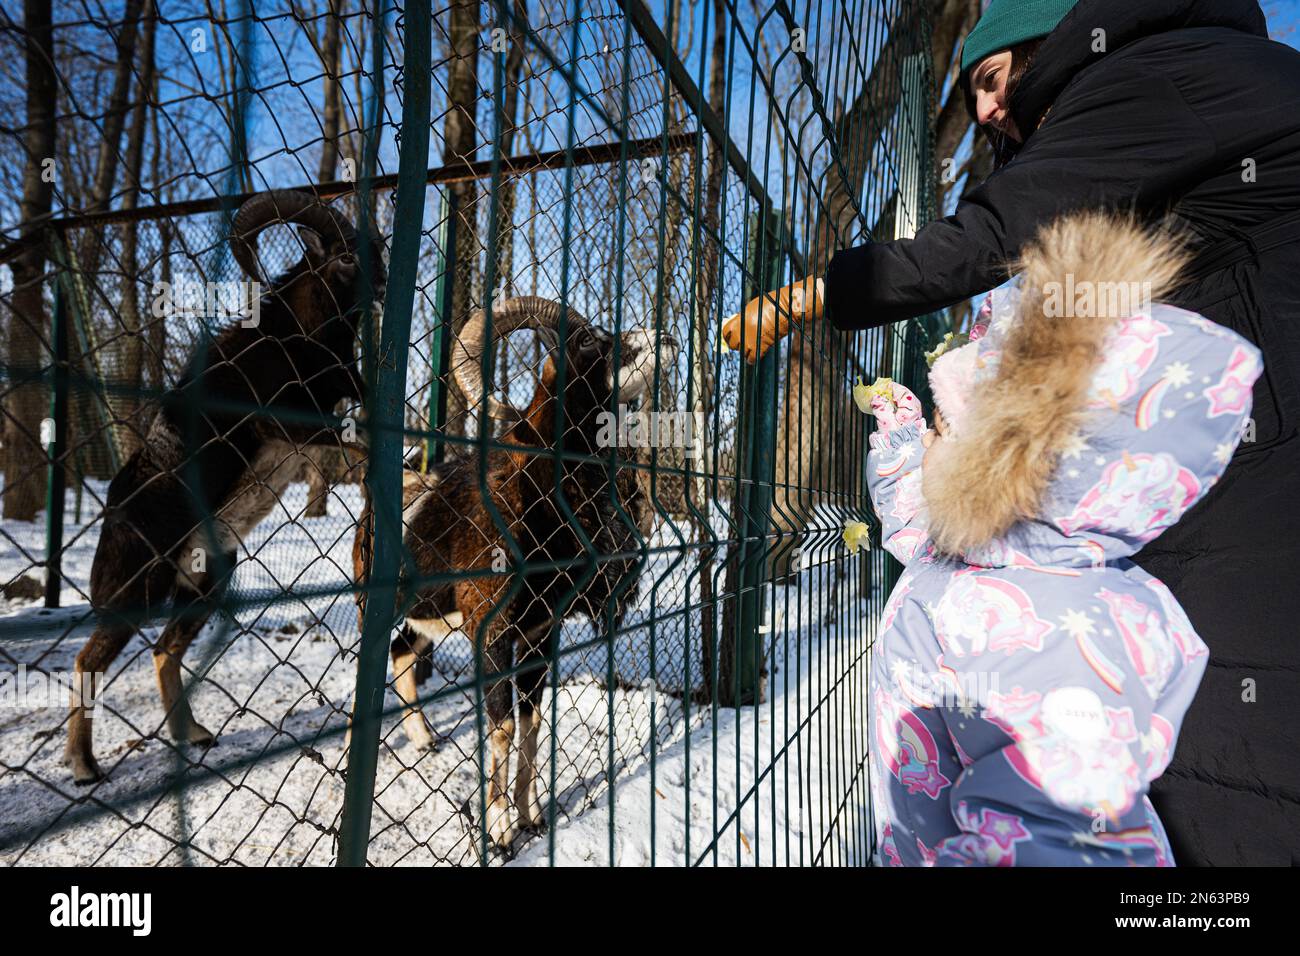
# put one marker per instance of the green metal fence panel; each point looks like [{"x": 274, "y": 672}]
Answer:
[
  {"x": 384, "y": 471},
  {"x": 757, "y": 411},
  {"x": 526, "y": 567}
]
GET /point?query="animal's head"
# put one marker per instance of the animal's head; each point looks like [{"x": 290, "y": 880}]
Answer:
[
  {"x": 326, "y": 283},
  {"x": 602, "y": 370}
]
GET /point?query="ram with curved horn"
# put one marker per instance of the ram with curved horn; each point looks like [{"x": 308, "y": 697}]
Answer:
[
  {"x": 514, "y": 615},
  {"x": 222, "y": 447}
]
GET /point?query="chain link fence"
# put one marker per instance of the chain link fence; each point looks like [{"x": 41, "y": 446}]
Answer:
[{"x": 620, "y": 627}]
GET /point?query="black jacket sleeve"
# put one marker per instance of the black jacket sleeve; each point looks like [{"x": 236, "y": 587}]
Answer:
[{"x": 1119, "y": 137}]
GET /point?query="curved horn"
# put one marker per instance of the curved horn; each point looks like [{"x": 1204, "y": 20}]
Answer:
[
  {"x": 283, "y": 206},
  {"x": 523, "y": 312}
]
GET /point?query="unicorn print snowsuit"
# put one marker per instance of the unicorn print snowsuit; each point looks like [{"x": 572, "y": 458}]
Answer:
[{"x": 1026, "y": 691}]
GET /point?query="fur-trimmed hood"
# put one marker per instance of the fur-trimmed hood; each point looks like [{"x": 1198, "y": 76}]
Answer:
[{"x": 1097, "y": 419}]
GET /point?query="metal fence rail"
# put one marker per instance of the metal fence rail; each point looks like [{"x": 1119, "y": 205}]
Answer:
[{"x": 680, "y": 661}]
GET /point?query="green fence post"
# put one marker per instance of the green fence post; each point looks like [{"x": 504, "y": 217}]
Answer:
[
  {"x": 758, "y": 386},
  {"x": 387, "y": 418},
  {"x": 435, "y": 448},
  {"x": 55, "y": 449}
]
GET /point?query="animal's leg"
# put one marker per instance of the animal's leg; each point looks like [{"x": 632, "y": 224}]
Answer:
[
  {"x": 408, "y": 647},
  {"x": 498, "y": 656},
  {"x": 93, "y": 661},
  {"x": 126, "y": 579},
  {"x": 362, "y": 544},
  {"x": 191, "y": 612},
  {"x": 532, "y": 685},
  {"x": 167, "y": 666}
]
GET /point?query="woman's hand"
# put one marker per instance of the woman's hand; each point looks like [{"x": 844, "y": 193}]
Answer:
[{"x": 770, "y": 316}]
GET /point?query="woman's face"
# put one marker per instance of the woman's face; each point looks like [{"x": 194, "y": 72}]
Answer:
[{"x": 989, "y": 87}]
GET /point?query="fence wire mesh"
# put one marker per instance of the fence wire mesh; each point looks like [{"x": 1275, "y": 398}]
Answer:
[{"x": 625, "y": 627}]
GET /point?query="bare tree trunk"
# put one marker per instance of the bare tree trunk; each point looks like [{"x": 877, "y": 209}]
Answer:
[
  {"x": 115, "y": 115},
  {"x": 509, "y": 127},
  {"x": 331, "y": 115},
  {"x": 25, "y": 478},
  {"x": 460, "y": 144},
  {"x": 158, "y": 325},
  {"x": 506, "y": 204},
  {"x": 676, "y": 172},
  {"x": 705, "y": 337},
  {"x": 318, "y": 487},
  {"x": 93, "y": 417},
  {"x": 228, "y": 71},
  {"x": 132, "y": 367},
  {"x": 949, "y": 21},
  {"x": 856, "y": 132},
  {"x": 953, "y": 122}
]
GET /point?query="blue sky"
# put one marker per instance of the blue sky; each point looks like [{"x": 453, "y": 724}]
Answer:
[{"x": 1284, "y": 20}]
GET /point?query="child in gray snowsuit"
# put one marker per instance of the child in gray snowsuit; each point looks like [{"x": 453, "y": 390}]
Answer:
[{"x": 1029, "y": 681}]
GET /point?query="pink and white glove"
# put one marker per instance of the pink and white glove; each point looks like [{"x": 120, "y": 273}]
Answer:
[
  {"x": 900, "y": 408},
  {"x": 894, "y": 406}
]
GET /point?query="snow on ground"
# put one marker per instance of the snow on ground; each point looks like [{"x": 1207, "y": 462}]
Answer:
[
  {"x": 276, "y": 687},
  {"x": 803, "y": 801}
]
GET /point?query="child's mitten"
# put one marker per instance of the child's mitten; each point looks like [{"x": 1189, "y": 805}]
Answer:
[{"x": 894, "y": 406}]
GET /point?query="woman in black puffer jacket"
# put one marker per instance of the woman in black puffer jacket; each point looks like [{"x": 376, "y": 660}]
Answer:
[{"x": 1186, "y": 113}]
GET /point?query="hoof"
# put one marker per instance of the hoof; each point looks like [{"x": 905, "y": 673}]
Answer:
[
  {"x": 85, "y": 770},
  {"x": 529, "y": 812},
  {"x": 501, "y": 830},
  {"x": 503, "y": 839},
  {"x": 533, "y": 828},
  {"x": 531, "y": 816},
  {"x": 422, "y": 739},
  {"x": 199, "y": 736}
]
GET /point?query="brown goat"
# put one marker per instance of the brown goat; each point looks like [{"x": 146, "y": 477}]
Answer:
[
  {"x": 592, "y": 559},
  {"x": 223, "y": 446}
]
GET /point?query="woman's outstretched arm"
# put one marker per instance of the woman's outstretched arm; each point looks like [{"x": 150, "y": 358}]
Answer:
[{"x": 1122, "y": 139}]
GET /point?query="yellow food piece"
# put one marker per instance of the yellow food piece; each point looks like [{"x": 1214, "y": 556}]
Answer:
[
  {"x": 862, "y": 397},
  {"x": 855, "y": 536}
]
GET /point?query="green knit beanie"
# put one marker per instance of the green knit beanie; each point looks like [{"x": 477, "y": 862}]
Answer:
[{"x": 1008, "y": 22}]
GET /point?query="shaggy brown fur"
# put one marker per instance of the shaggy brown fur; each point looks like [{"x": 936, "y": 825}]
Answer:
[
  {"x": 223, "y": 445},
  {"x": 999, "y": 470},
  {"x": 590, "y": 523}
]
